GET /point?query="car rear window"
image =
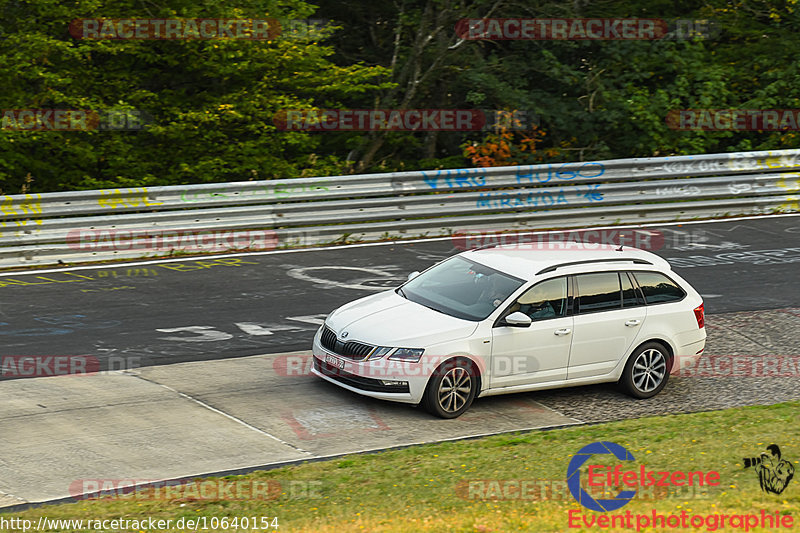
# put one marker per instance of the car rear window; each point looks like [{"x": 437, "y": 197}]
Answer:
[
  {"x": 658, "y": 288},
  {"x": 631, "y": 297}
]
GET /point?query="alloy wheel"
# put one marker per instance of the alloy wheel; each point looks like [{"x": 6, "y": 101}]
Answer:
[
  {"x": 649, "y": 370},
  {"x": 454, "y": 389}
]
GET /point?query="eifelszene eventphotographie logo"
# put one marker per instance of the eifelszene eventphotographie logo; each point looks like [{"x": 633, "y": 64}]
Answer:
[
  {"x": 774, "y": 472},
  {"x": 610, "y": 477},
  {"x": 574, "y": 476}
]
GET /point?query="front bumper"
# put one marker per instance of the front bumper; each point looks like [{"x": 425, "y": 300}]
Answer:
[{"x": 367, "y": 377}]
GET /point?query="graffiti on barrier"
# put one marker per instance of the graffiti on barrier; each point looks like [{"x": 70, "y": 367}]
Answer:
[
  {"x": 537, "y": 199},
  {"x": 121, "y": 198},
  {"x": 676, "y": 190},
  {"x": 10, "y": 208},
  {"x": 271, "y": 191},
  {"x": 563, "y": 172},
  {"x": 457, "y": 178},
  {"x": 736, "y": 162},
  {"x": 497, "y": 200}
]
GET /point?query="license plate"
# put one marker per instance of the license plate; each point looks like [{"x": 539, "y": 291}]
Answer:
[{"x": 334, "y": 361}]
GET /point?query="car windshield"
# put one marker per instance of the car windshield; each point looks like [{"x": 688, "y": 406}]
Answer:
[{"x": 461, "y": 288}]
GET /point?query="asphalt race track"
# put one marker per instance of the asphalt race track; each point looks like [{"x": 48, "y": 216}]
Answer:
[
  {"x": 200, "y": 309},
  {"x": 229, "y": 321}
]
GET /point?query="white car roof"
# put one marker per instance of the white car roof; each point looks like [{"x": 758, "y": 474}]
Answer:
[{"x": 528, "y": 259}]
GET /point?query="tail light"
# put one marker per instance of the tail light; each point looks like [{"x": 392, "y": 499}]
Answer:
[{"x": 699, "y": 314}]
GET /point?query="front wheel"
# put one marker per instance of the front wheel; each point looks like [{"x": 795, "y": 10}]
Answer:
[
  {"x": 451, "y": 389},
  {"x": 647, "y": 371}
]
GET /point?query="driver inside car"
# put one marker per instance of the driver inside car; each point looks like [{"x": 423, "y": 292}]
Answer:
[{"x": 542, "y": 301}]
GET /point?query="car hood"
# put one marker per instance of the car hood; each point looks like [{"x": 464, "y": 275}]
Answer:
[{"x": 388, "y": 319}]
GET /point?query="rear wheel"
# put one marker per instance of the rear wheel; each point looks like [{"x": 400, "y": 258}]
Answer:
[
  {"x": 647, "y": 371},
  {"x": 451, "y": 389}
]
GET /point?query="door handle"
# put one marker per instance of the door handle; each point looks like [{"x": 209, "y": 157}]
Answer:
[
  {"x": 562, "y": 331},
  {"x": 632, "y": 323}
]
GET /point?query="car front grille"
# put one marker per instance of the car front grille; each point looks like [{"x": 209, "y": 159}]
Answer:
[{"x": 352, "y": 349}]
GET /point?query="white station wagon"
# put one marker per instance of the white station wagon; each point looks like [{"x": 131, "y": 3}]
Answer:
[{"x": 513, "y": 319}]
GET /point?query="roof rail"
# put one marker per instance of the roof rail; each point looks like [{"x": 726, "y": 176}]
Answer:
[
  {"x": 634, "y": 260},
  {"x": 485, "y": 246}
]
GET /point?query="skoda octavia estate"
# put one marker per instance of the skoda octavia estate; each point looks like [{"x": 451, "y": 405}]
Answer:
[{"x": 512, "y": 319}]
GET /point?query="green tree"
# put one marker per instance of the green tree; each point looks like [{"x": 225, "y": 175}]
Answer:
[
  {"x": 592, "y": 99},
  {"x": 211, "y": 102}
]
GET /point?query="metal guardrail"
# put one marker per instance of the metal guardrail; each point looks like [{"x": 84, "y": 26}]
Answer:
[{"x": 40, "y": 229}]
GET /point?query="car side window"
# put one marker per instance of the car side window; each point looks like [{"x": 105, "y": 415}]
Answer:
[
  {"x": 544, "y": 300},
  {"x": 598, "y": 292},
  {"x": 658, "y": 288},
  {"x": 631, "y": 296}
]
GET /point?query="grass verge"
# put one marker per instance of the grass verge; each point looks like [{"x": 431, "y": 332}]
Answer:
[{"x": 427, "y": 488}]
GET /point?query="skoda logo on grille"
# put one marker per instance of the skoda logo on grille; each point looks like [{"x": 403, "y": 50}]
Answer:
[{"x": 344, "y": 334}]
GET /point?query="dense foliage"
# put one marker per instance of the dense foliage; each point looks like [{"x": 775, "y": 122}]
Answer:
[{"x": 210, "y": 104}]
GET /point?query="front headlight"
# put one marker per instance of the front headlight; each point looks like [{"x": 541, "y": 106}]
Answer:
[
  {"x": 379, "y": 352},
  {"x": 409, "y": 355}
]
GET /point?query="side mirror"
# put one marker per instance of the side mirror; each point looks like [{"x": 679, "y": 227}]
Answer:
[
  {"x": 413, "y": 275},
  {"x": 517, "y": 320}
]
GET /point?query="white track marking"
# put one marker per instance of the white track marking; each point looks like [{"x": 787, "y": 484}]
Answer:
[
  {"x": 316, "y": 320},
  {"x": 303, "y": 274},
  {"x": 206, "y": 334},
  {"x": 264, "y": 328},
  {"x": 252, "y": 328}
]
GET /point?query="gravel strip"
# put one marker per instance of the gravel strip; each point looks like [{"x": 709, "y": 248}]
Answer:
[{"x": 758, "y": 334}]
